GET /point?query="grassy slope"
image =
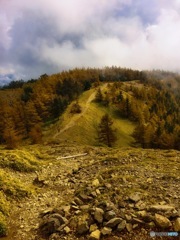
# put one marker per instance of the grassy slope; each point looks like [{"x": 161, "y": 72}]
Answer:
[{"x": 84, "y": 128}]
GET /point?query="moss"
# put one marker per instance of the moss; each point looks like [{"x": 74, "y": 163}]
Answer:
[
  {"x": 3, "y": 226},
  {"x": 18, "y": 160},
  {"x": 12, "y": 187},
  {"x": 4, "y": 204}
]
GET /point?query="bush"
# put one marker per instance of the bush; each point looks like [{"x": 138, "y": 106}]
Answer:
[{"x": 76, "y": 108}]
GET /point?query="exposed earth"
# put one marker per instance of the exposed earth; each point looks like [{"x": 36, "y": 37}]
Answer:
[{"x": 137, "y": 190}]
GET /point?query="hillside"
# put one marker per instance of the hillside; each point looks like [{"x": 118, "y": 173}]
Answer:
[
  {"x": 59, "y": 181},
  {"x": 132, "y": 98},
  {"x": 130, "y": 186},
  {"x": 81, "y": 128}
]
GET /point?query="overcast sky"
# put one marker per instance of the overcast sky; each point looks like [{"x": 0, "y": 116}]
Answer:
[{"x": 47, "y": 36}]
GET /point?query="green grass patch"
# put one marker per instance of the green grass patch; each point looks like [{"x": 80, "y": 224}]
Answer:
[
  {"x": 12, "y": 187},
  {"x": 18, "y": 160},
  {"x": 83, "y": 127}
]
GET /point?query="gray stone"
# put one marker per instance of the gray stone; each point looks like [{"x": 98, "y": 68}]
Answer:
[
  {"x": 93, "y": 228},
  {"x": 84, "y": 207},
  {"x": 129, "y": 227},
  {"x": 61, "y": 219},
  {"x": 98, "y": 215},
  {"x": 135, "y": 197},
  {"x": 67, "y": 230},
  {"x": 82, "y": 228},
  {"x": 108, "y": 185},
  {"x": 109, "y": 215},
  {"x": 78, "y": 201},
  {"x": 106, "y": 231},
  {"x": 84, "y": 197},
  {"x": 95, "y": 235},
  {"x": 142, "y": 214},
  {"x": 163, "y": 208},
  {"x": 96, "y": 183},
  {"x": 162, "y": 221},
  {"x": 140, "y": 205},
  {"x": 113, "y": 222},
  {"x": 150, "y": 225},
  {"x": 128, "y": 217},
  {"x": 49, "y": 226},
  {"x": 121, "y": 225},
  {"x": 177, "y": 225},
  {"x": 136, "y": 220}
]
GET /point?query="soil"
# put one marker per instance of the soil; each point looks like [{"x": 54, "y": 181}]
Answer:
[{"x": 153, "y": 173}]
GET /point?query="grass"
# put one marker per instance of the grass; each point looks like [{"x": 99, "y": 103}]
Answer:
[
  {"x": 12, "y": 187},
  {"x": 18, "y": 160},
  {"x": 3, "y": 228},
  {"x": 84, "y": 127}
]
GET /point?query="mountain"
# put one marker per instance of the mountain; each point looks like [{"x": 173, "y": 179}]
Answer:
[
  {"x": 131, "y": 97},
  {"x": 59, "y": 180}
]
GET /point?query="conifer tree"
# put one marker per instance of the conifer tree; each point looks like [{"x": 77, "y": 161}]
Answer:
[
  {"x": 99, "y": 96},
  {"x": 106, "y": 134}
]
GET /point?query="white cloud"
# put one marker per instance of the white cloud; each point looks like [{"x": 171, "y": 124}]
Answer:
[{"x": 52, "y": 35}]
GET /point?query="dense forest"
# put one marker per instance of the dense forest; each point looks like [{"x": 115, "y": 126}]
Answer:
[{"x": 26, "y": 107}]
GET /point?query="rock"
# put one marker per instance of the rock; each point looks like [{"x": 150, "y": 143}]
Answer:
[
  {"x": 98, "y": 215},
  {"x": 135, "y": 226},
  {"x": 108, "y": 185},
  {"x": 121, "y": 226},
  {"x": 67, "y": 230},
  {"x": 151, "y": 225},
  {"x": 106, "y": 231},
  {"x": 93, "y": 228},
  {"x": 113, "y": 222},
  {"x": 84, "y": 197},
  {"x": 136, "y": 220},
  {"x": 84, "y": 207},
  {"x": 142, "y": 214},
  {"x": 140, "y": 205},
  {"x": 66, "y": 209},
  {"x": 78, "y": 201},
  {"x": 95, "y": 235},
  {"x": 109, "y": 215},
  {"x": 162, "y": 221},
  {"x": 177, "y": 225},
  {"x": 54, "y": 236},
  {"x": 135, "y": 197},
  {"x": 96, "y": 183},
  {"x": 61, "y": 219},
  {"x": 162, "y": 208},
  {"x": 98, "y": 192},
  {"x": 129, "y": 227},
  {"x": 128, "y": 217},
  {"x": 82, "y": 228},
  {"x": 49, "y": 226}
]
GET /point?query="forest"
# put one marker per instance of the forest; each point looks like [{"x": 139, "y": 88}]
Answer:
[{"x": 27, "y": 107}]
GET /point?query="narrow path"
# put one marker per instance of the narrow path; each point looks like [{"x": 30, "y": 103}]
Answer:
[{"x": 75, "y": 118}]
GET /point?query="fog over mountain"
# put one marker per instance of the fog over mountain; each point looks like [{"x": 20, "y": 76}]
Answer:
[{"x": 46, "y": 36}]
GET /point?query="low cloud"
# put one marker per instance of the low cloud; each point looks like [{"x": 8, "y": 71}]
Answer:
[{"x": 44, "y": 37}]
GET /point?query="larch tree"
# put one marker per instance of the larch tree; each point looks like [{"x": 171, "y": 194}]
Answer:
[{"x": 106, "y": 134}]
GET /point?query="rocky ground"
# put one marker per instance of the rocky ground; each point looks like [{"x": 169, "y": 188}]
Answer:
[{"x": 102, "y": 194}]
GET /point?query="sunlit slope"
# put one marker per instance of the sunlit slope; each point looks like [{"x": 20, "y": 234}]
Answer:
[{"x": 82, "y": 128}]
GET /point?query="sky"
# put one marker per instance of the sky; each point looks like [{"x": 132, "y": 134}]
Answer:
[{"x": 48, "y": 36}]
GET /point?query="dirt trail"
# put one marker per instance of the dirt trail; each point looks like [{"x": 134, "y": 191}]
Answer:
[
  {"x": 75, "y": 118},
  {"x": 56, "y": 191}
]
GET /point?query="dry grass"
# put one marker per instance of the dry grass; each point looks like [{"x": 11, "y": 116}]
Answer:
[{"x": 83, "y": 127}]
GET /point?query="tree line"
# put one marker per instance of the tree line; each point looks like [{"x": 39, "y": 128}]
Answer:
[
  {"x": 154, "y": 111},
  {"x": 26, "y": 107}
]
